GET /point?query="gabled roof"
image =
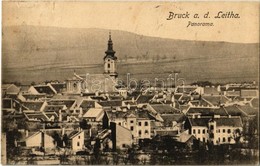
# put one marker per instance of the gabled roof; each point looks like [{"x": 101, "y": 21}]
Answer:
[
  {"x": 181, "y": 89},
  {"x": 255, "y": 102},
  {"x": 216, "y": 99},
  {"x": 28, "y": 96},
  {"x": 86, "y": 104},
  {"x": 248, "y": 109},
  {"x": 184, "y": 137},
  {"x": 33, "y": 105},
  {"x": 47, "y": 89},
  {"x": 111, "y": 103},
  {"x": 144, "y": 99},
  {"x": 211, "y": 91},
  {"x": 205, "y": 111},
  {"x": 7, "y": 103},
  {"x": 169, "y": 118},
  {"x": 69, "y": 103},
  {"x": 37, "y": 116},
  {"x": 222, "y": 121},
  {"x": 93, "y": 113},
  {"x": 53, "y": 108},
  {"x": 232, "y": 121},
  {"x": 59, "y": 87},
  {"x": 233, "y": 110},
  {"x": 165, "y": 109},
  {"x": 74, "y": 134}
]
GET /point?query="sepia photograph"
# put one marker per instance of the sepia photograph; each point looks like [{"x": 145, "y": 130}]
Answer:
[{"x": 129, "y": 83}]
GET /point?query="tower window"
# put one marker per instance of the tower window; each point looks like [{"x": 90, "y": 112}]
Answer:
[{"x": 108, "y": 65}]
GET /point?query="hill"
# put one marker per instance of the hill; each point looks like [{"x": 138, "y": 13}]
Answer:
[{"x": 33, "y": 53}]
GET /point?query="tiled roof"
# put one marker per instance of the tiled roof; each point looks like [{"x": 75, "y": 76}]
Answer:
[
  {"x": 234, "y": 111},
  {"x": 185, "y": 89},
  {"x": 33, "y": 105},
  {"x": 248, "y": 109},
  {"x": 144, "y": 99},
  {"x": 53, "y": 108},
  {"x": 216, "y": 99},
  {"x": 165, "y": 109},
  {"x": 93, "y": 113},
  {"x": 44, "y": 89},
  {"x": 207, "y": 111},
  {"x": 86, "y": 104},
  {"x": 33, "y": 96},
  {"x": 7, "y": 103},
  {"x": 200, "y": 102},
  {"x": 68, "y": 102},
  {"x": 169, "y": 118},
  {"x": 233, "y": 121},
  {"x": 222, "y": 121},
  {"x": 166, "y": 132},
  {"x": 211, "y": 90},
  {"x": 59, "y": 87},
  {"x": 255, "y": 102},
  {"x": 111, "y": 103},
  {"x": 40, "y": 116}
]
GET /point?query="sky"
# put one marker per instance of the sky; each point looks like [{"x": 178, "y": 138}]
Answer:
[{"x": 145, "y": 18}]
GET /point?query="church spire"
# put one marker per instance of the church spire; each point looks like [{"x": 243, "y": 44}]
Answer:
[{"x": 110, "y": 52}]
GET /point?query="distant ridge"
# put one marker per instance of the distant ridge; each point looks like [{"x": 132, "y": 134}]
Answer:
[{"x": 26, "y": 48}]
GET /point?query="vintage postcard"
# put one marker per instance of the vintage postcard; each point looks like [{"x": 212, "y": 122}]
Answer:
[{"x": 130, "y": 83}]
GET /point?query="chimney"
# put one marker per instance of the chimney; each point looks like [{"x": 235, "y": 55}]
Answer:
[
  {"x": 26, "y": 133},
  {"x": 63, "y": 131},
  {"x": 128, "y": 106}
]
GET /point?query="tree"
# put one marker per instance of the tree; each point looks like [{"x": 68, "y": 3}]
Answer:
[{"x": 84, "y": 124}]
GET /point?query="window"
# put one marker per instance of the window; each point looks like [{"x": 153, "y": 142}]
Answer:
[
  {"x": 146, "y": 132},
  {"x": 79, "y": 136},
  {"x": 146, "y": 123},
  {"x": 108, "y": 65},
  {"x": 229, "y": 139},
  {"x": 203, "y": 131},
  {"x": 204, "y": 140},
  {"x": 224, "y": 139},
  {"x": 78, "y": 144},
  {"x": 132, "y": 128},
  {"x": 229, "y": 131},
  {"x": 119, "y": 123},
  {"x": 198, "y": 131},
  {"x": 123, "y": 145},
  {"x": 211, "y": 127},
  {"x": 194, "y": 131},
  {"x": 140, "y": 123},
  {"x": 140, "y": 132},
  {"x": 224, "y": 130},
  {"x": 131, "y": 121}
]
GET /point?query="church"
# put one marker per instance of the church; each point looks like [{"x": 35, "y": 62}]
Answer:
[{"x": 92, "y": 83}]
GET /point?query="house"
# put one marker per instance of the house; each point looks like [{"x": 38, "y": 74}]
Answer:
[
  {"x": 206, "y": 111},
  {"x": 215, "y": 129},
  {"x": 138, "y": 121},
  {"x": 108, "y": 104},
  {"x": 10, "y": 89},
  {"x": 94, "y": 115},
  {"x": 187, "y": 139},
  {"x": 70, "y": 104},
  {"x": 47, "y": 89},
  {"x": 121, "y": 136},
  {"x": 76, "y": 139},
  {"x": 216, "y": 100},
  {"x": 59, "y": 87},
  {"x": 36, "y": 117},
  {"x": 34, "y": 105},
  {"x": 249, "y": 93},
  {"x": 39, "y": 139}
]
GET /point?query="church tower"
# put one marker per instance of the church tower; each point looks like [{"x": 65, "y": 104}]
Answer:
[{"x": 110, "y": 59}]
